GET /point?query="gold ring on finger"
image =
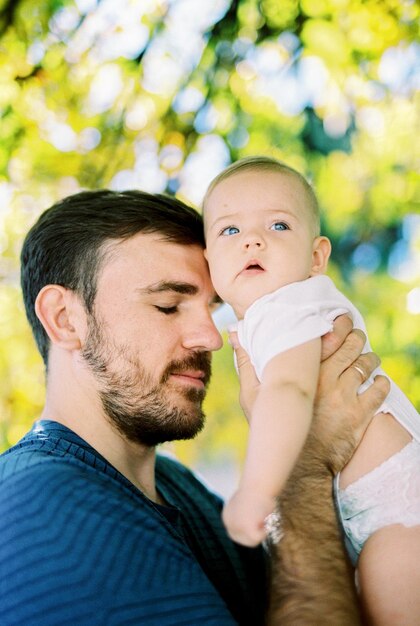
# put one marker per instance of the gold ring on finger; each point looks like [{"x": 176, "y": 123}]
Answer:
[{"x": 361, "y": 372}]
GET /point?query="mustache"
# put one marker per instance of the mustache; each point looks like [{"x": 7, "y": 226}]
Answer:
[{"x": 197, "y": 361}]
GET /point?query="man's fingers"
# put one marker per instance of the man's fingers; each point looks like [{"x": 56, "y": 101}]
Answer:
[
  {"x": 332, "y": 341},
  {"x": 371, "y": 400},
  {"x": 242, "y": 358},
  {"x": 245, "y": 368},
  {"x": 233, "y": 339},
  {"x": 333, "y": 367},
  {"x": 375, "y": 395},
  {"x": 368, "y": 363},
  {"x": 248, "y": 380},
  {"x": 348, "y": 353},
  {"x": 243, "y": 364},
  {"x": 360, "y": 370}
]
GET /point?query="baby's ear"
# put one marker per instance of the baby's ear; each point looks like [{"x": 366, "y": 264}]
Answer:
[
  {"x": 55, "y": 308},
  {"x": 205, "y": 254},
  {"x": 321, "y": 250}
]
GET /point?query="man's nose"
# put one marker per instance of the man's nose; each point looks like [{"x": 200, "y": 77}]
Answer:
[{"x": 203, "y": 335}]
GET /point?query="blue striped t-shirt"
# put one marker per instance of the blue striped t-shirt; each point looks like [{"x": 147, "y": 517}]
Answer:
[{"x": 81, "y": 545}]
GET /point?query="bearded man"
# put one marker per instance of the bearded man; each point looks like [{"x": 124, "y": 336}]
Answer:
[{"x": 95, "y": 526}]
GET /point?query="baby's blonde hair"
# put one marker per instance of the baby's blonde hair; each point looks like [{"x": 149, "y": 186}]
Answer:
[{"x": 268, "y": 164}]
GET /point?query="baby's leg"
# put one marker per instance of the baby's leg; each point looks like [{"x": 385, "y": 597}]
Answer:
[
  {"x": 274, "y": 444},
  {"x": 380, "y": 510},
  {"x": 383, "y": 438},
  {"x": 280, "y": 422},
  {"x": 245, "y": 513},
  {"x": 389, "y": 576},
  {"x": 262, "y": 479}
]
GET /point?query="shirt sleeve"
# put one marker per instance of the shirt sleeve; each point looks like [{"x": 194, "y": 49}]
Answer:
[
  {"x": 287, "y": 318},
  {"x": 284, "y": 328}
]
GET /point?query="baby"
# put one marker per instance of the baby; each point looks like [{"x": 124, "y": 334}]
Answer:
[{"x": 268, "y": 260}]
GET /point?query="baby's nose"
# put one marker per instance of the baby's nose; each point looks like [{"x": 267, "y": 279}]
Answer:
[{"x": 254, "y": 239}]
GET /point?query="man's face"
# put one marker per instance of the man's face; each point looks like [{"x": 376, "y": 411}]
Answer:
[{"x": 150, "y": 337}]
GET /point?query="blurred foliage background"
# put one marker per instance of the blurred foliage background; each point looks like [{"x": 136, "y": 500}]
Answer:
[{"x": 162, "y": 94}]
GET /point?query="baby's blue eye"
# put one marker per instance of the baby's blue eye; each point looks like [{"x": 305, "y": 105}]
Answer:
[
  {"x": 279, "y": 226},
  {"x": 230, "y": 230}
]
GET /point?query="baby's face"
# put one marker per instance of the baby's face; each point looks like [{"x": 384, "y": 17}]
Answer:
[{"x": 259, "y": 236}]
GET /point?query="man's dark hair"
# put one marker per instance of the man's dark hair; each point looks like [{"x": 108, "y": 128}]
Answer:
[{"x": 66, "y": 245}]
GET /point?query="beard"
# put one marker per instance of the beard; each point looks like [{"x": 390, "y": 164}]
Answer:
[{"x": 140, "y": 408}]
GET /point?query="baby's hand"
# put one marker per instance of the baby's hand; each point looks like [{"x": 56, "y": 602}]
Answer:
[
  {"x": 247, "y": 378},
  {"x": 244, "y": 516}
]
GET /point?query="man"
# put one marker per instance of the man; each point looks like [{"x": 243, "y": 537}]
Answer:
[{"x": 95, "y": 528}]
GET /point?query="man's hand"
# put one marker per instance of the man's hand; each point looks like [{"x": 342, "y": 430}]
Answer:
[
  {"x": 248, "y": 380},
  {"x": 341, "y": 416}
]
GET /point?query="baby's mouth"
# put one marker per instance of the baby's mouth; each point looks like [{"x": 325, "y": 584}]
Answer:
[{"x": 253, "y": 267}]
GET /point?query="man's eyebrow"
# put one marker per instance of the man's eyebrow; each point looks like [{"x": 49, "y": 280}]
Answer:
[{"x": 174, "y": 286}]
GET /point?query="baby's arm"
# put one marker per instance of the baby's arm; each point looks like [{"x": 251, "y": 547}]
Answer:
[{"x": 280, "y": 421}]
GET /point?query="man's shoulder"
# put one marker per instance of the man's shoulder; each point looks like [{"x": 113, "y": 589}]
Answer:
[
  {"x": 33, "y": 457},
  {"x": 52, "y": 475},
  {"x": 53, "y": 499},
  {"x": 74, "y": 534},
  {"x": 27, "y": 460}
]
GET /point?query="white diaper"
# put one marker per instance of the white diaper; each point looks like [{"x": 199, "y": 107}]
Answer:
[{"x": 389, "y": 494}]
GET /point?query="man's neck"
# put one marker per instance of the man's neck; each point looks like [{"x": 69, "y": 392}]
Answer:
[
  {"x": 133, "y": 460},
  {"x": 73, "y": 400}
]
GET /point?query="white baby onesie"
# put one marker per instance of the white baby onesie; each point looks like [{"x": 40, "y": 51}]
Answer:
[{"x": 295, "y": 314}]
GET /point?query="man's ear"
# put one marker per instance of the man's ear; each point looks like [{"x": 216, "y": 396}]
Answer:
[
  {"x": 58, "y": 310},
  {"x": 321, "y": 250},
  {"x": 205, "y": 254}
]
